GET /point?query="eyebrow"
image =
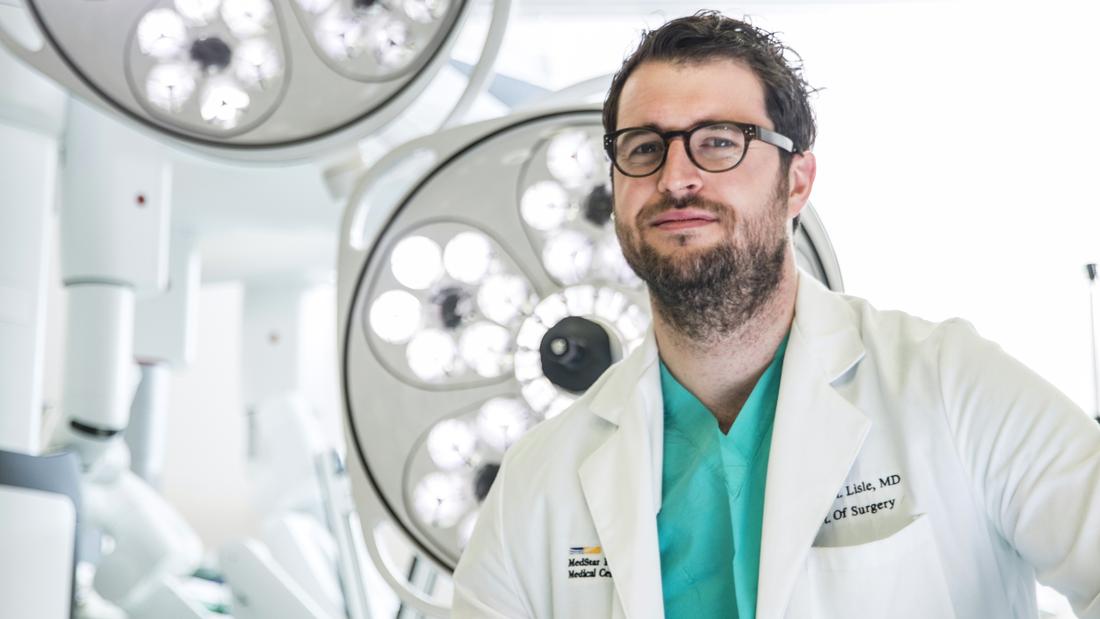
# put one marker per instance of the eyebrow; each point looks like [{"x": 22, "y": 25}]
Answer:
[{"x": 704, "y": 121}]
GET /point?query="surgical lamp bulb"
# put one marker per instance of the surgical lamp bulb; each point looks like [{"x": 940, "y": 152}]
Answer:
[
  {"x": 487, "y": 348},
  {"x": 247, "y": 18},
  {"x": 315, "y": 6},
  {"x": 223, "y": 104},
  {"x": 544, "y": 205},
  {"x": 416, "y": 262},
  {"x": 468, "y": 256},
  {"x": 425, "y": 11},
  {"x": 501, "y": 298},
  {"x": 169, "y": 86},
  {"x": 570, "y": 158},
  {"x": 567, "y": 256},
  {"x": 395, "y": 316},
  {"x": 257, "y": 63},
  {"x": 501, "y": 421},
  {"x": 340, "y": 36},
  {"x": 441, "y": 499},
  {"x": 198, "y": 12},
  {"x": 452, "y": 444},
  {"x": 390, "y": 42},
  {"x": 432, "y": 355},
  {"x": 161, "y": 34}
]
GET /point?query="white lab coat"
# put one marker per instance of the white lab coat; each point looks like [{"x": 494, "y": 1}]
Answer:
[{"x": 916, "y": 470}]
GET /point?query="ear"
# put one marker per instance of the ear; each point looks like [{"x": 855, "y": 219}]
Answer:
[{"x": 800, "y": 181}]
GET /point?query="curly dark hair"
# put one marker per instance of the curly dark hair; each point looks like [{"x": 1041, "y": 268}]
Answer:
[{"x": 709, "y": 35}]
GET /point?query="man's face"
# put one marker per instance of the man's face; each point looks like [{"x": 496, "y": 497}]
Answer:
[{"x": 693, "y": 228}]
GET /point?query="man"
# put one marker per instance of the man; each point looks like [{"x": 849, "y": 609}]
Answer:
[{"x": 776, "y": 449}]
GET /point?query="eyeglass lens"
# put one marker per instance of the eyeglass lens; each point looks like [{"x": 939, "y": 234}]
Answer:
[{"x": 713, "y": 148}]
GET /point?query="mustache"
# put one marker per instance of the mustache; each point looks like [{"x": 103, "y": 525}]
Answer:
[{"x": 666, "y": 202}]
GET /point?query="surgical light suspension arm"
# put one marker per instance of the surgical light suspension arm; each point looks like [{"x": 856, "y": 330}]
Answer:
[{"x": 1090, "y": 270}]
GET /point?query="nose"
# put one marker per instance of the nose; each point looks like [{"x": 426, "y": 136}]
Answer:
[{"x": 679, "y": 177}]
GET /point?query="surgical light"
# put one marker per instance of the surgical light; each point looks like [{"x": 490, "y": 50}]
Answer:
[
  {"x": 468, "y": 257},
  {"x": 247, "y": 18},
  {"x": 169, "y": 86},
  {"x": 257, "y": 63},
  {"x": 198, "y": 12},
  {"x": 161, "y": 34},
  {"x": 452, "y": 444},
  {"x": 417, "y": 262},
  {"x": 242, "y": 79},
  {"x": 395, "y": 316},
  {"x": 532, "y": 304}
]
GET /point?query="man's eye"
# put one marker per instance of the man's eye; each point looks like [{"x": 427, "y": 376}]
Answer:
[
  {"x": 718, "y": 142},
  {"x": 647, "y": 148}
]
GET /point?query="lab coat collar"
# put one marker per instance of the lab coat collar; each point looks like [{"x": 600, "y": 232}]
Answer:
[
  {"x": 815, "y": 440},
  {"x": 621, "y": 480}
]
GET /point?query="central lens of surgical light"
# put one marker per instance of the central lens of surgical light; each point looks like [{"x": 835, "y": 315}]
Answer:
[
  {"x": 211, "y": 53},
  {"x": 575, "y": 352}
]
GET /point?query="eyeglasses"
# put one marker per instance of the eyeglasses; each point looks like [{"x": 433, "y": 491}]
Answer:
[{"x": 713, "y": 147}]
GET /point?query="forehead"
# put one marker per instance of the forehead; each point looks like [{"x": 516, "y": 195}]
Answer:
[{"x": 678, "y": 95}]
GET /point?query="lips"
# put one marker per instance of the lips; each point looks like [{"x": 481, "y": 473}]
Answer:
[{"x": 683, "y": 217}]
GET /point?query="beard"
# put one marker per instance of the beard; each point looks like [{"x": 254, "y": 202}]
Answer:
[{"x": 711, "y": 292}]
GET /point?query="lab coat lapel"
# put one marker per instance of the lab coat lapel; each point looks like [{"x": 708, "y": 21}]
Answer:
[
  {"x": 622, "y": 483},
  {"x": 816, "y": 438}
]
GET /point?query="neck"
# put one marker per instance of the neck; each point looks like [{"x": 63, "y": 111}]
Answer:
[{"x": 723, "y": 369}]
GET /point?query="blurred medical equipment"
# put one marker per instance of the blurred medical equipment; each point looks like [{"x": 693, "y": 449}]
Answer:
[
  {"x": 39, "y": 504},
  {"x": 235, "y": 80},
  {"x": 1090, "y": 271},
  {"x": 481, "y": 289}
]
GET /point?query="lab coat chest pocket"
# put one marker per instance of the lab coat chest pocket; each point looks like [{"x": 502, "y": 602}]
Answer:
[{"x": 899, "y": 577}]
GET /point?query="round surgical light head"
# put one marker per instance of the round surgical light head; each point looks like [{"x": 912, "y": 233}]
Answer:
[
  {"x": 256, "y": 69},
  {"x": 531, "y": 304}
]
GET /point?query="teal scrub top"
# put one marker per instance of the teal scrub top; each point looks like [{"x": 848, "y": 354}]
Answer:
[{"x": 712, "y": 499}]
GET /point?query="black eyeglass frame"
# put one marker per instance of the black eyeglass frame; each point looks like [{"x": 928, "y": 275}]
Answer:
[{"x": 751, "y": 132}]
